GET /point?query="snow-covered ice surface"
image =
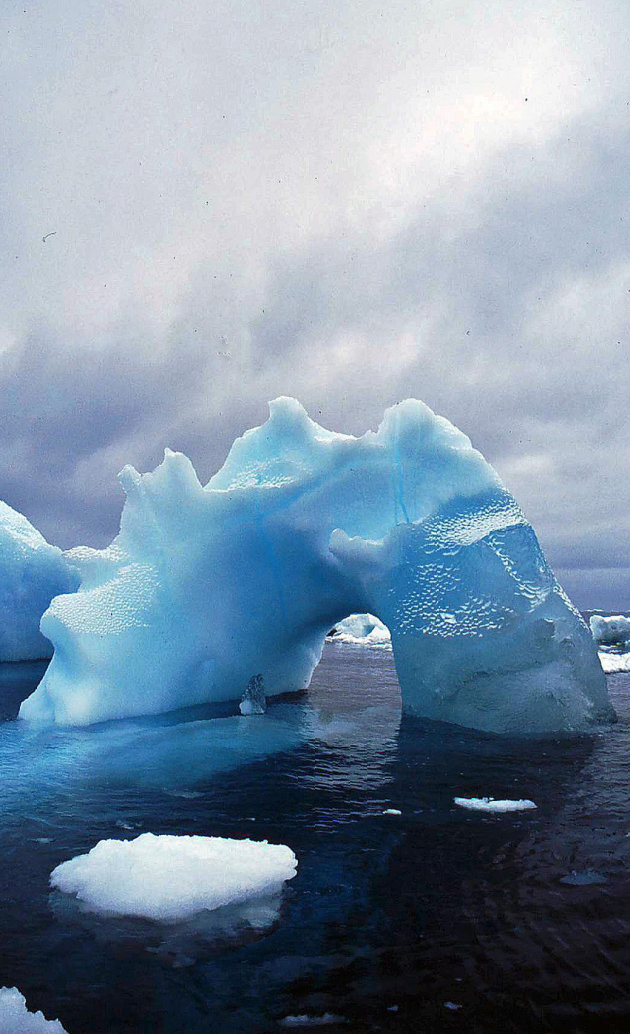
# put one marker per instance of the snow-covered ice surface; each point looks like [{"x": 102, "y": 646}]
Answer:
[
  {"x": 31, "y": 573},
  {"x": 168, "y": 878},
  {"x": 491, "y": 805},
  {"x": 206, "y": 587},
  {"x": 15, "y": 1017}
]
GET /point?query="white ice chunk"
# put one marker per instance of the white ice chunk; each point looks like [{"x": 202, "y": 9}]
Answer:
[
  {"x": 207, "y": 585},
  {"x": 610, "y": 631},
  {"x": 362, "y": 630},
  {"x": 613, "y": 662},
  {"x": 489, "y": 804},
  {"x": 16, "y": 1019},
  {"x": 168, "y": 878},
  {"x": 31, "y": 573},
  {"x": 254, "y": 700},
  {"x": 327, "y": 1019}
]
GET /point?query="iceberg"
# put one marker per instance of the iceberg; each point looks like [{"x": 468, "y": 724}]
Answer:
[
  {"x": 16, "y": 1019},
  {"x": 169, "y": 878},
  {"x": 612, "y": 636},
  {"x": 207, "y": 587},
  {"x": 32, "y": 572},
  {"x": 362, "y": 630},
  {"x": 611, "y": 631}
]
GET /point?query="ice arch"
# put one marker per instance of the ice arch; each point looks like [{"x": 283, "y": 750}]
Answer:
[{"x": 206, "y": 586}]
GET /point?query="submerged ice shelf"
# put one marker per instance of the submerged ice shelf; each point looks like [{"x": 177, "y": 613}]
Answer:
[{"x": 208, "y": 587}]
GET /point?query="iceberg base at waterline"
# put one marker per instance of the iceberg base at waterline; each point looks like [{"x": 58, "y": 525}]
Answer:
[{"x": 207, "y": 588}]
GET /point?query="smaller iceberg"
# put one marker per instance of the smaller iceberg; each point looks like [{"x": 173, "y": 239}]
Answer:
[
  {"x": 489, "y": 804},
  {"x": 32, "y": 572},
  {"x": 612, "y": 636},
  {"x": 169, "y": 878},
  {"x": 16, "y": 1019},
  {"x": 611, "y": 631},
  {"x": 362, "y": 630}
]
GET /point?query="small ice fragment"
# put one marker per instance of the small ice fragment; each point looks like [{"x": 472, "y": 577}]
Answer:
[
  {"x": 254, "y": 700},
  {"x": 583, "y": 879},
  {"x": 489, "y": 804},
  {"x": 454, "y": 1006},
  {"x": 392, "y": 1008},
  {"x": 167, "y": 877},
  {"x": 124, "y": 825},
  {"x": 392, "y": 811},
  {"x": 42, "y": 840},
  {"x": 15, "y": 1018},
  {"x": 304, "y": 1020}
]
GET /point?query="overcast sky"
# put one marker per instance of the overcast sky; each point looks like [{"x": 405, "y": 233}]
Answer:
[{"x": 205, "y": 205}]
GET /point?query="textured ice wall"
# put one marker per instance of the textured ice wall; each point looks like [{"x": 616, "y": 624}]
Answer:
[
  {"x": 31, "y": 573},
  {"x": 205, "y": 587}
]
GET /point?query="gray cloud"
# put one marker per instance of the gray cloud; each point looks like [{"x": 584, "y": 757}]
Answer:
[{"x": 347, "y": 204}]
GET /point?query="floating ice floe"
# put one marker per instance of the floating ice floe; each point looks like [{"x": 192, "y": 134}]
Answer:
[
  {"x": 587, "y": 878},
  {"x": 613, "y": 662},
  {"x": 208, "y": 587},
  {"x": 326, "y": 1019},
  {"x": 168, "y": 878},
  {"x": 489, "y": 804},
  {"x": 16, "y": 1019}
]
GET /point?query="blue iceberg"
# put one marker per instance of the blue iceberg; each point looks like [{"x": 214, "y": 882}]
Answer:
[
  {"x": 31, "y": 573},
  {"x": 207, "y": 587}
]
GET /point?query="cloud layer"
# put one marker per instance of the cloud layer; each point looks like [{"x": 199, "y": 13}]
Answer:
[{"x": 350, "y": 203}]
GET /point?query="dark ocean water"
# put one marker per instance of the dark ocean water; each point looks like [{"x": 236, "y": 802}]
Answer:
[{"x": 434, "y": 920}]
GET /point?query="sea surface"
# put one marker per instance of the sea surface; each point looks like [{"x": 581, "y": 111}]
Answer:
[{"x": 435, "y": 919}]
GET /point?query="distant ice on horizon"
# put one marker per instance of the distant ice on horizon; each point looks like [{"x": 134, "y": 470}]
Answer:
[{"x": 362, "y": 630}]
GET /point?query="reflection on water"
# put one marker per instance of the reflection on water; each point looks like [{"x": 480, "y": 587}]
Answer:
[{"x": 434, "y": 919}]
